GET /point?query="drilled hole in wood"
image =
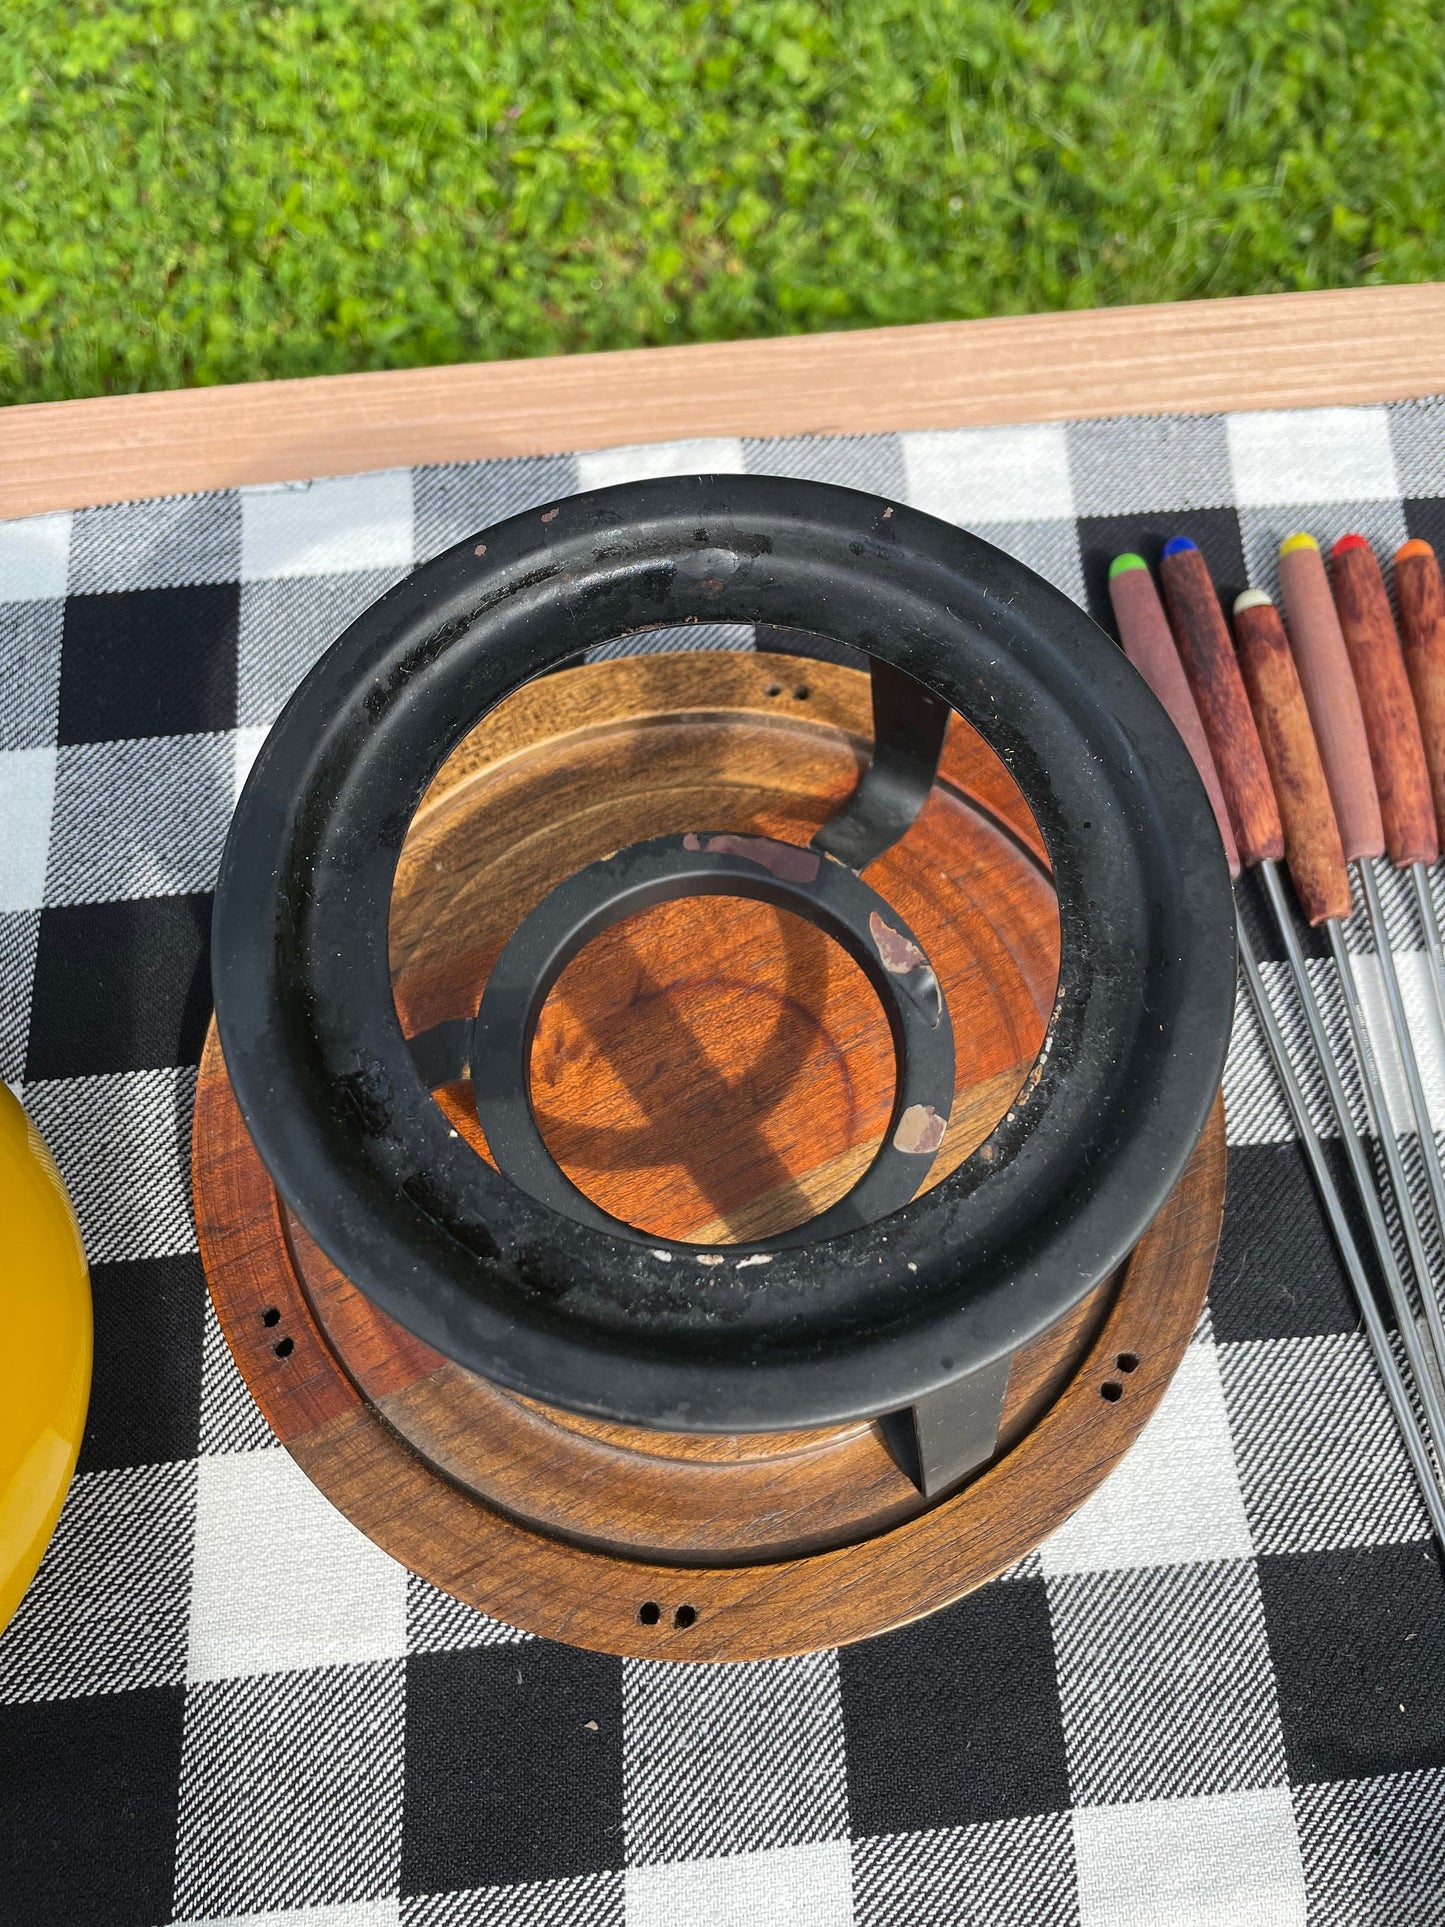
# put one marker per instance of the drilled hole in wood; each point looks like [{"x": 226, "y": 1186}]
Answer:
[
  {"x": 1127, "y": 1361},
  {"x": 649, "y": 1613},
  {"x": 284, "y": 1348},
  {"x": 684, "y": 1617},
  {"x": 802, "y": 692},
  {"x": 270, "y": 1316},
  {"x": 1112, "y": 1390},
  {"x": 773, "y": 689}
]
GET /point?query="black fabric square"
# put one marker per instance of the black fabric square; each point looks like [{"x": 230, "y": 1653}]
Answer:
[
  {"x": 88, "y": 1808},
  {"x": 513, "y": 1766},
  {"x": 1358, "y": 1643},
  {"x": 1102, "y": 537},
  {"x": 1425, "y": 519},
  {"x": 1278, "y": 1273},
  {"x": 149, "y": 662},
  {"x": 956, "y": 1719},
  {"x": 121, "y": 986},
  {"x": 145, "y": 1392}
]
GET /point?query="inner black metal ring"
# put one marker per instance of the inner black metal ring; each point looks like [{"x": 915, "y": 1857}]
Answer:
[
  {"x": 831, "y": 896},
  {"x": 866, "y": 1322}
]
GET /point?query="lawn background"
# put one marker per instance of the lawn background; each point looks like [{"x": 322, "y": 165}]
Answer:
[{"x": 220, "y": 192}]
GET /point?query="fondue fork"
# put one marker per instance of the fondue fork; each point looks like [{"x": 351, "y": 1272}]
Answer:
[{"x": 1151, "y": 647}]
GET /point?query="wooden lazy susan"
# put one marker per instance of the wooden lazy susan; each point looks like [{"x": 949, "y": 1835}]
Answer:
[{"x": 711, "y": 1070}]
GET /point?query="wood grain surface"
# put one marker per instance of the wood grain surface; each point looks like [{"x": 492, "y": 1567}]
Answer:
[
  {"x": 744, "y": 1546},
  {"x": 1149, "y": 644},
  {"x": 1261, "y": 351},
  {"x": 1397, "y": 753},
  {"x": 1311, "y": 836},
  {"x": 1213, "y": 671},
  {"x": 566, "y": 1585},
  {"x": 1328, "y": 681},
  {"x": 1421, "y": 597}
]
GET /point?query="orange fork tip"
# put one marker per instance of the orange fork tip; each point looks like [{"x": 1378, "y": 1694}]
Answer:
[{"x": 1415, "y": 546}]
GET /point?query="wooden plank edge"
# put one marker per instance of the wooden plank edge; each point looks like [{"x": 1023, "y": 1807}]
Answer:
[{"x": 1243, "y": 352}]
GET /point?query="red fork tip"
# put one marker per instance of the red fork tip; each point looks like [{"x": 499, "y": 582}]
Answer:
[{"x": 1349, "y": 542}]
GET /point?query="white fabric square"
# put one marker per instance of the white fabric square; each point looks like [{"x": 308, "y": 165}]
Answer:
[
  {"x": 1413, "y": 971},
  {"x": 792, "y": 1887},
  {"x": 142, "y": 818},
  {"x": 1229, "y": 1860},
  {"x": 320, "y": 528},
  {"x": 1174, "y": 1497},
  {"x": 122, "y": 1143},
  {"x": 1311, "y": 455},
  {"x": 282, "y": 1580},
  {"x": 385, "y": 1912},
  {"x": 1149, "y": 465},
  {"x": 707, "y": 455},
  {"x": 732, "y": 1759},
  {"x": 35, "y": 557},
  {"x": 27, "y": 797},
  {"x": 970, "y": 475}
]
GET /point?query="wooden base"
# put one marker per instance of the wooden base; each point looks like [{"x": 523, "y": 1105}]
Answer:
[{"x": 674, "y": 1070}]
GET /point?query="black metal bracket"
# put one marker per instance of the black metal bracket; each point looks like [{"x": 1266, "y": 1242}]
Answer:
[
  {"x": 830, "y": 896},
  {"x": 940, "y": 1439},
  {"x": 909, "y": 725}
]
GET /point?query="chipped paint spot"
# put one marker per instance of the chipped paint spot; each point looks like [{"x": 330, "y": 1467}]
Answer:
[
  {"x": 760, "y": 1258},
  {"x": 887, "y": 513},
  {"x": 898, "y": 953},
  {"x": 920, "y": 1131},
  {"x": 551, "y": 515},
  {"x": 785, "y": 860},
  {"x": 710, "y": 1258},
  {"x": 911, "y": 1265},
  {"x": 665, "y": 1256},
  {"x": 480, "y": 549}
]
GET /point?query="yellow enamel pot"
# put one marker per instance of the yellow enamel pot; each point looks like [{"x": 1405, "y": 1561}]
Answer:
[{"x": 45, "y": 1348}]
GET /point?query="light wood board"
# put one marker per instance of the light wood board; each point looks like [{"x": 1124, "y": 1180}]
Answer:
[{"x": 1262, "y": 351}]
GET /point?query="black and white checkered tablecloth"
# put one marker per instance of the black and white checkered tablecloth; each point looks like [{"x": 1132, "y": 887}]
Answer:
[{"x": 1217, "y": 1695}]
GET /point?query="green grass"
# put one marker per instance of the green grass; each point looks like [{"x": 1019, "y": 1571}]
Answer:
[{"x": 221, "y": 191}]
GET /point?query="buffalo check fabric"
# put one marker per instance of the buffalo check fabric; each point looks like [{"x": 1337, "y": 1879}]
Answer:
[{"x": 1215, "y": 1695}]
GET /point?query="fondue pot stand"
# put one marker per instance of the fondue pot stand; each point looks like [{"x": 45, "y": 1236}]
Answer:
[{"x": 744, "y": 1437}]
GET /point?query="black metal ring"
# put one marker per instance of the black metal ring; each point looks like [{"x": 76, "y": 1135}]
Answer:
[
  {"x": 862, "y": 1323},
  {"x": 830, "y": 896}
]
